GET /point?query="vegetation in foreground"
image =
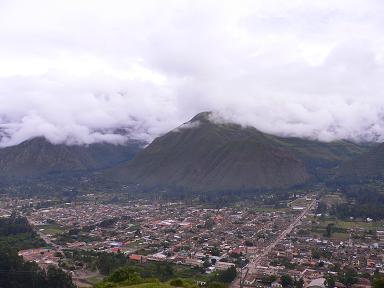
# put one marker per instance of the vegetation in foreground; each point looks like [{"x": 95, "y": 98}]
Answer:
[
  {"x": 128, "y": 276},
  {"x": 16, "y": 234}
]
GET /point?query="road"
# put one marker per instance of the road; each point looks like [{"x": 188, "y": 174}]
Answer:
[
  {"x": 43, "y": 236},
  {"x": 251, "y": 267},
  {"x": 5, "y": 211}
]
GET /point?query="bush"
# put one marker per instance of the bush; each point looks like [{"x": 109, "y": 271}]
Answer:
[
  {"x": 228, "y": 275},
  {"x": 177, "y": 283},
  {"x": 124, "y": 274}
]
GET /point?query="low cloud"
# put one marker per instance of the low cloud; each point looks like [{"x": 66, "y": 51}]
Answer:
[{"x": 88, "y": 69}]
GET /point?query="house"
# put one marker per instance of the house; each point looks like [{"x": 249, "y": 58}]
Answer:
[
  {"x": 138, "y": 258},
  {"x": 223, "y": 265},
  {"x": 276, "y": 284},
  {"x": 193, "y": 262},
  {"x": 317, "y": 283}
]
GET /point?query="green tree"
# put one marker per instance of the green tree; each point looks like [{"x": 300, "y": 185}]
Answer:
[
  {"x": 329, "y": 281},
  {"x": 58, "y": 278},
  {"x": 298, "y": 283},
  {"x": 124, "y": 274},
  {"x": 286, "y": 280},
  {"x": 227, "y": 276},
  {"x": 206, "y": 263},
  {"x": 348, "y": 277},
  {"x": 328, "y": 230},
  {"x": 378, "y": 282},
  {"x": 215, "y": 251}
]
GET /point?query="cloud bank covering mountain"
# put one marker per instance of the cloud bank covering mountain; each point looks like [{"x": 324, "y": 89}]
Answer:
[{"x": 76, "y": 71}]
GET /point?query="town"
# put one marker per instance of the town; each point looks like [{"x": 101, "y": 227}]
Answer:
[{"x": 264, "y": 243}]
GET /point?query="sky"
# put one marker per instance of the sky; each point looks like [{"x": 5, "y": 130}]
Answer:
[{"x": 76, "y": 71}]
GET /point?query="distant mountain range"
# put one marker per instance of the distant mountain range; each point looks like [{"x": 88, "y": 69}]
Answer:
[
  {"x": 38, "y": 157},
  {"x": 201, "y": 155}
]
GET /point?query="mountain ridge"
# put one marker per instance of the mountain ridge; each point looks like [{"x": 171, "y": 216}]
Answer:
[
  {"x": 38, "y": 157},
  {"x": 204, "y": 154}
]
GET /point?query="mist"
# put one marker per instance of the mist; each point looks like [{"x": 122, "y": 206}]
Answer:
[{"x": 76, "y": 72}]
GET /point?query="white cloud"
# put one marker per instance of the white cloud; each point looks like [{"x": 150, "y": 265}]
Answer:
[{"x": 72, "y": 70}]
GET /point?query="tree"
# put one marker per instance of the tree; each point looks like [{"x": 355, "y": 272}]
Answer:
[
  {"x": 378, "y": 282},
  {"x": 328, "y": 230},
  {"x": 58, "y": 278},
  {"x": 329, "y": 281},
  {"x": 17, "y": 234},
  {"x": 298, "y": 283},
  {"x": 209, "y": 223},
  {"x": 215, "y": 251},
  {"x": 321, "y": 208},
  {"x": 268, "y": 279},
  {"x": 206, "y": 263},
  {"x": 124, "y": 274},
  {"x": 286, "y": 280},
  {"x": 227, "y": 276},
  {"x": 168, "y": 270},
  {"x": 348, "y": 277}
]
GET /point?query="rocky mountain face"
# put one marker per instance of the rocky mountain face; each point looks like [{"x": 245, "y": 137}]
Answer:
[
  {"x": 203, "y": 155},
  {"x": 37, "y": 157}
]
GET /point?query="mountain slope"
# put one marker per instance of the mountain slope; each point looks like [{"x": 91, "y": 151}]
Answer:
[
  {"x": 203, "y": 155},
  {"x": 38, "y": 157},
  {"x": 212, "y": 156},
  {"x": 321, "y": 157},
  {"x": 368, "y": 165}
]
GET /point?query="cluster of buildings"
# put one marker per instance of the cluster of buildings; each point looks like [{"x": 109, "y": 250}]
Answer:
[
  {"x": 173, "y": 232},
  {"x": 214, "y": 239},
  {"x": 310, "y": 256}
]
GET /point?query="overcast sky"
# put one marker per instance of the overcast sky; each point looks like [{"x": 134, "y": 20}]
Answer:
[{"x": 75, "y": 70}]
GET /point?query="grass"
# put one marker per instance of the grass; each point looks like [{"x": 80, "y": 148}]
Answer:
[
  {"x": 189, "y": 283},
  {"x": 349, "y": 224},
  {"x": 150, "y": 285},
  {"x": 269, "y": 209},
  {"x": 332, "y": 199},
  {"x": 341, "y": 228},
  {"x": 94, "y": 279},
  {"x": 299, "y": 202},
  {"x": 340, "y": 236},
  {"x": 51, "y": 229}
]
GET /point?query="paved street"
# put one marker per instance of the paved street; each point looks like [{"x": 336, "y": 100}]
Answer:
[{"x": 257, "y": 259}]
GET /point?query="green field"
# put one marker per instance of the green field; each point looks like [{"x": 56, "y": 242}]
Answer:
[
  {"x": 332, "y": 199},
  {"x": 342, "y": 229},
  {"x": 299, "y": 202},
  {"x": 51, "y": 229},
  {"x": 149, "y": 285}
]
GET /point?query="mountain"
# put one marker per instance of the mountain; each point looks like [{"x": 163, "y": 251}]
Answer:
[
  {"x": 38, "y": 157},
  {"x": 366, "y": 166},
  {"x": 322, "y": 158},
  {"x": 203, "y": 155}
]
